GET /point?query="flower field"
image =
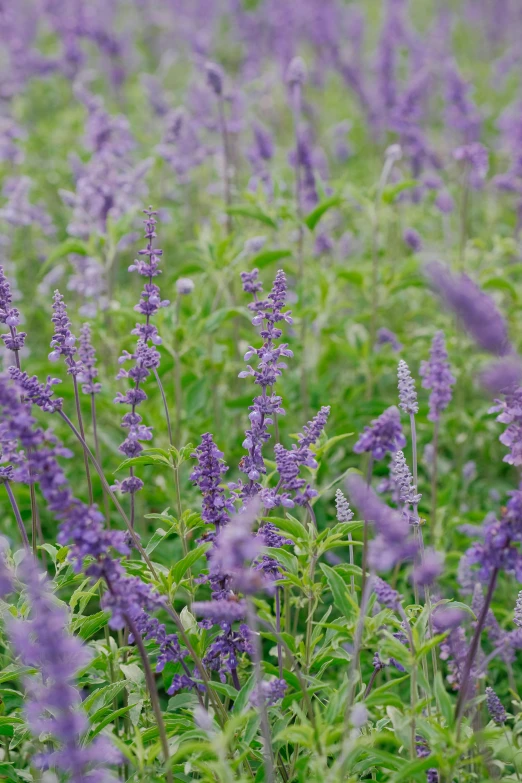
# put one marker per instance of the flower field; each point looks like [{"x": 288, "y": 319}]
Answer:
[{"x": 261, "y": 391}]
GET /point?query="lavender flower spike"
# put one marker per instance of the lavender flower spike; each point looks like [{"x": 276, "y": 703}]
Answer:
[
  {"x": 344, "y": 512},
  {"x": 10, "y": 316},
  {"x": 475, "y": 309},
  {"x": 436, "y": 375},
  {"x": 383, "y": 435},
  {"x": 64, "y": 341},
  {"x": 404, "y": 480},
  {"x": 54, "y": 701},
  {"x": 495, "y": 707},
  {"x": 407, "y": 393},
  {"x": 87, "y": 354},
  {"x": 517, "y": 619}
]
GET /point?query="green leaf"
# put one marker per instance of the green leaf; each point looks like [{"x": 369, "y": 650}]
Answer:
[
  {"x": 291, "y": 526},
  {"x": 254, "y": 213},
  {"x": 411, "y": 768},
  {"x": 70, "y": 245},
  {"x": 157, "y": 537},
  {"x": 313, "y": 218},
  {"x": 88, "y": 626},
  {"x": 144, "y": 459},
  {"x": 268, "y": 257},
  {"x": 287, "y": 560},
  {"x": 179, "y": 570},
  {"x": 325, "y": 447},
  {"x": 242, "y": 697},
  {"x": 339, "y": 590},
  {"x": 218, "y": 317},
  {"x": 110, "y": 718},
  {"x": 182, "y": 701},
  {"x": 390, "y": 193},
  {"x": 101, "y": 697},
  {"x": 443, "y": 699}
]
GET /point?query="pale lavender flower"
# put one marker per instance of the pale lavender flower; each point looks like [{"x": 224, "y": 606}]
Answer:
[
  {"x": 476, "y": 158},
  {"x": 429, "y": 568},
  {"x": 413, "y": 239},
  {"x": 344, "y": 512},
  {"x": 501, "y": 375},
  {"x": 475, "y": 309},
  {"x": 64, "y": 341},
  {"x": 404, "y": 480},
  {"x": 517, "y": 618},
  {"x": 436, "y": 375},
  {"x": 89, "y": 371},
  {"x": 385, "y": 594},
  {"x": 510, "y": 412},
  {"x": 387, "y": 337},
  {"x": 407, "y": 393},
  {"x": 271, "y": 692}
]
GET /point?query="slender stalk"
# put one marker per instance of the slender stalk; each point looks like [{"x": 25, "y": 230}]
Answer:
[
  {"x": 151, "y": 685},
  {"x": 365, "y": 529},
  {"x": 278, "y": 628},
  {"x": 165, "y": 406},
  {"x": 111, "y": 494},
  {"x": 470, "y": 658},
  {"x": 434, "y": 479},
  {"x": 98, "y": 455},
  {"x": 16, "y": 512},
  {"x": 370, "y": 683},
  {"x": 265, "y": 726},
  {"x": 352, "y": 562},
  {"x": 178, "y": 388},
  {"x": 413, "y": 678},
  {"x": 82, "y": 433},
  {"x": 226, "y": 160},
  {"x": 354, "y": 663}
]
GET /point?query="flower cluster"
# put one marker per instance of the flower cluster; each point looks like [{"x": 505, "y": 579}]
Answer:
[
  {"x": 63, "y": 342},
  {"x": 407, "y": 393},
  {"x": 436, "y": 375},
  {"x": 145, "y": 357},
  {"x": 89, "y": 371},
  {"x": 10, "y": 316},
  {"x": 383, "y": 435}
]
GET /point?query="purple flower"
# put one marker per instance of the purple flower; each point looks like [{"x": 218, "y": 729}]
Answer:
[
  {"x": 517, "y": 618},
  {"x": 271, "y": 693},
  {"x": 207, "y": 476},
  {"x": 386, "y": 337},
  {"x": 89, "y": 371},
  {"x": 461, "y": 112},
  {"x": 344, "y": 512},
  {"x": 429, "y": 568},
  {"x": 436, "y": 375},
  {"x": 475, "y": 309},
  {"x": 54, "y": 702},
  {"x": 385, "y": 594},
  {"x": 37, "y": 393},
  {"x": 447, "y": 619},
  {"x": 404, "y": 480},
  {"x": 500, "y": 546},
  {"x": 501, "y": 375},
  {"x": 145, "y": 357},
  {"x": 407, "y": 393},
  {"x": 444, "y": 202},
  {"x": 383, "y": 435},
  {"x": 215, "y": 77},
  {"x": 64, "y": 341},
  {"x": 10, "y": 316},
  {"x": 296, "y": 72},
  {"x": 476, "y": 158},
  {"x": 268, "y": 314},
  {"x": 510, "y": 412},
  {"x": 223, "y": 611},
  {"x": 413, "y": 239},
  {"x": 495, "y": 707},
  {"x": 235, "y": 549}
]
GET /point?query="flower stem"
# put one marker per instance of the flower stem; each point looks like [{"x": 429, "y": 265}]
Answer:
[
  {"x": 82, "y": 433},
  {"x": 265, "y": 727},
  {"x": 111, "y": 494},
  {"x": 151, "y": 685},
  {"x": 16, "y": 512},
  {"x": 434, "y": 479},
  {"x": 413, "y": 677},
  {"x": 278, "y": 628},
  {"x": 364, "y": 564},
  {"x": 472, "y": 652},
  {"x": 354, "y": 663},
  {"x": 165, "y": 406}
]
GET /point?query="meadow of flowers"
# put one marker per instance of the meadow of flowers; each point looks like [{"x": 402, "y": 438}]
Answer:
[{"x": 261, "y": 391}]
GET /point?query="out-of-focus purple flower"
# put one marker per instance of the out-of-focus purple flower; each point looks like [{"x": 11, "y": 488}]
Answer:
[
  {"x": 385, "y": 594},
  {"x": 475, "y": 309},
  {"x": 184, "y": 286},
  {"x": 446, "y": 619},
  {"x": 215, "y": 77},
  {"x": 454, "y": 650},
  {"x": 407, "y": 393},
  {"x": 207, "y": 475},
  {"x": 495, "y": 707},
  {"x": 391, "y": 544},
  {"x": 224, "y": 611},
  {"x": 502, "y": 375},
  {"x": 383, "y": 435},
  {"x": 235, "y": 549},
  {"x": 387, "y": 337},
  {"x": 19, "y": 212},
  {"x": 436, "y": 375},
  {"x": 302, "y": 157},
  {"x": 469, "y": 471},
  {"x": 259, "y": 154},
  {"x": 271, "y": 693},
  {"x": 429, "y": 568},
  {"x": 476, "y": 158},
  {"x": 296, "y": 72},
  {"x": 88, "y": 372},
  {"x": 54, "y": 702},
  {"x": 413, "y": 239},
  {"x": 444, "y": 202},
  {"x": 358, "y": 715},
  {"x": 461, "y": 112}
]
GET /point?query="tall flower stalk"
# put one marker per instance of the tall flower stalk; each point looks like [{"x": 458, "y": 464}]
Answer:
[
  {"x": 215, "y": 79},
  {"x": 145, "y": 357}
]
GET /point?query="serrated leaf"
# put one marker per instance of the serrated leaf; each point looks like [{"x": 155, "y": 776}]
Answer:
[{"x": 313, "y": 218}]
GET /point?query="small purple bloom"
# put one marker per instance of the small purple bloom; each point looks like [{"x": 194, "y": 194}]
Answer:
[
  {"x": 436, "y": 375},
  {"x": 383, "y": 435},
  {"x": 495, "y": 707},
  {"x": 407, "y": 392}
]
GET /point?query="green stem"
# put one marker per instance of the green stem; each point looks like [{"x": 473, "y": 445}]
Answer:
[
  {"x": 16, "y": 512},
  {"x": 265, "y": 726},
  {"x": 82, "y": 433}
]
